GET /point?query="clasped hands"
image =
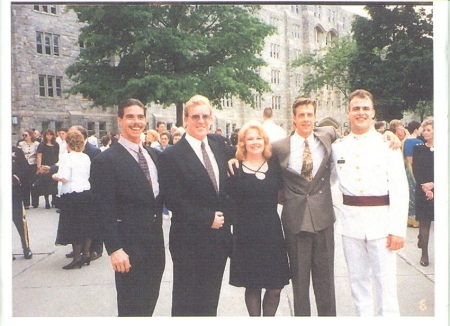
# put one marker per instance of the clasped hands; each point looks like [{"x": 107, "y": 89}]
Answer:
[{"x": 426, "y": 188}]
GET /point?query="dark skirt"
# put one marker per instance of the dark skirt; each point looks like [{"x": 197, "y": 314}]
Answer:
[
  {"x": 76, "y": 223},
  {"x": 424, "y": 207}
]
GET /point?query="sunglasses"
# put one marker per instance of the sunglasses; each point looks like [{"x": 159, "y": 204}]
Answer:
[{"x": 197, "y": 117}]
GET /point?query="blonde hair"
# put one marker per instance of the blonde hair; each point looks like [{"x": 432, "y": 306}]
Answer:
[
  {"x": 152, "y": 134},
  {"x": 197, "y": 100},
  {"x": 241, "y": 151},
  {"x": 428, "y": 122},
  {"x": 75, "y": 141}
]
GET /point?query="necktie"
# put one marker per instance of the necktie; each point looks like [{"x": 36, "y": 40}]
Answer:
[
  {"x": 307, "y": 166},
  {"x": 209, "y": 167},
  {"x": 144, "y": 166}
]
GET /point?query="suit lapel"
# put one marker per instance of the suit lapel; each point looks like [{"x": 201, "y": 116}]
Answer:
[{"x": 326, "y": 142}]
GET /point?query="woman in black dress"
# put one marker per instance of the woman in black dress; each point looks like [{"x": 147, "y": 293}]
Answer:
[
  {"x": 423, "y": 169},
  {"x": 48, "y": 154},
  {"x": 259, "y": 258}
]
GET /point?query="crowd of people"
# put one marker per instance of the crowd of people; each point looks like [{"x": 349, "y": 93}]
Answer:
[{"x": 223, "y": 196}]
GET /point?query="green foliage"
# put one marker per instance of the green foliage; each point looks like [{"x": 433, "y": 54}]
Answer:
[
  {"x": 168, "y": 53},
  {"x": 394, "y": 58},
  {"x": 328, "y": 66}
]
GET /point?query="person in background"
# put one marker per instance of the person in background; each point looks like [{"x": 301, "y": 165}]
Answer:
[
  {"x": 408, "y": 145},
  {"x": 106, "y": 142},
  {"x": 396, "y": 126},
  {"x": 374, "y": 210},
  {"x": 164, "y": 140},
  {"x": 176, "y": 137},
  {"x": 380, "y": 126},
  {"x": 423, "y": 169},
  {"x": 75, "y": 226},
  {"x": 93, "y": 139},
  {"x": 152, "y": 140},
  {"x": 61, "y": 140},
  {"x": 29, "y": 147},
  {"x": 20, "y": 171},
  {"x": 37, "y": 135},
  {"x": 274, "y": 131},
  {"x": 259, "y": 258},
  {"x": 48, "y": 155}
]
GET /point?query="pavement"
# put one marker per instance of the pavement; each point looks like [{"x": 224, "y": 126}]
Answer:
[{"x": 41, "y": 288}]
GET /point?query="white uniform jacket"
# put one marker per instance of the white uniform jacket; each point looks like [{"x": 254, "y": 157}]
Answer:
[{"x": 365, "y": 166}]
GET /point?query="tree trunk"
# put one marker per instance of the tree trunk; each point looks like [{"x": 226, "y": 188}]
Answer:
[{"x": 179, "y": 114}]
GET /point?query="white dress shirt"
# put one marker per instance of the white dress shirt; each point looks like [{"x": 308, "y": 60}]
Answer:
[
  {"x": 365, "y": 166},
  {"x": 133, "y": 149},
  {"x": 75, "y": 168},
  {"x": 196, "y": 146},
  {"x": 298, "y": 147}
]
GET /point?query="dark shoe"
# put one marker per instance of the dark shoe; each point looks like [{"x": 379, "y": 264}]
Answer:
[
  {"x": 85, "y": 261},
  {"x": 27, "y": 207},
  {"x": 27, "y": 253},
  {"x": 35, "y": 206},
  {"x": 70, "y": 255},
  {"x": 424, "y": 263},
  {"x": 95, "y": 255},
  {"x": 74, "y": 264},
  {"x": 58, "y": 211}
]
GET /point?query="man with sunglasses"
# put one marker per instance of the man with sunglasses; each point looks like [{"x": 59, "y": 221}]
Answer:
[{"x": 192, "y": 178}]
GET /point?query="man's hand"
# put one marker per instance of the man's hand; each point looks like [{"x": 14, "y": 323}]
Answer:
[
  {"x": 395, "y": 242},
  {"x": 394, "y": 141},
  {"x": 232, "y": 162},
  {"x": 44, "y": 169},
  {"x": 218, "y": 221},
  {"x": 120, "y": 261}
]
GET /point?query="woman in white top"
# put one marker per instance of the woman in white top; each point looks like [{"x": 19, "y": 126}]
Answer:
[
  {"x": 74, "y": 226},
  {"x": 29, "y": 146}
]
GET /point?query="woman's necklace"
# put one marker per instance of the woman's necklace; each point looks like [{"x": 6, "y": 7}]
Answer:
[{"x": 258, "y": 174}]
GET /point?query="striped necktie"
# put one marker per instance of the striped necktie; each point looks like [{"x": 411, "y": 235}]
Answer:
[
  {"x": 144, "y": 165},
  {"x": 209, "y": 167}
]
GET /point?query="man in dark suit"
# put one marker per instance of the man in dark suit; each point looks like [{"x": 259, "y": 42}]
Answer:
[
  {"x": 125, "y": 184},
  {"x": 308, "y": 215},
  {"x": 193, "y": 173}
]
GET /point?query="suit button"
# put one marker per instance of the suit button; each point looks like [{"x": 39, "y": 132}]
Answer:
[
  {"x": 323, "y": 179},
  {"x": 320, "y": 191}
]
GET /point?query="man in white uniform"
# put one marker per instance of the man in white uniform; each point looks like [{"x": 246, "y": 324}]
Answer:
[
  {"x": 374, "y": 213},
  {"x": 274, "y": 131}
]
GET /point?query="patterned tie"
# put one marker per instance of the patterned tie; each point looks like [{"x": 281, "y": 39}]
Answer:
[
  {"x": 307, "y": 166},
  {"x": 209, "y": 167},
  {"x": 144, "y": 166}
]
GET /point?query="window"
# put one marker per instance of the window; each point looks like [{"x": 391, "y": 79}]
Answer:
[
  {"x": 275, "y": 77},
  {"x": 296, "y": 30},
  {"x": 274, "y": 50},
  {"x": 48, "y": 43},
  {"x": 48, "y": 9},
  {"x": 58, "y": 125},
  {"x": 90, "y": 127},
  {"x": 102, "y": 128},
  {"x": 276, "y": 102},
  {"x": 45, "y": 125},
  {"x": 298, "y": 80},
  {"x": 50, "y": 86},
  {"x": 227, "y": 101},
  {"x": 257, "y": 98}
]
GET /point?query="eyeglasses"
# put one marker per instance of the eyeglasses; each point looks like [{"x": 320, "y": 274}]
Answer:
[{"x": 197, "y": 117}]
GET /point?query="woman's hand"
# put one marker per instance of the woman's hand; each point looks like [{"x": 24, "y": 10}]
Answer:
[{"x": 427, "y": 186}]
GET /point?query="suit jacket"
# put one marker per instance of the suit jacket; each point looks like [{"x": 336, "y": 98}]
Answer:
[
  {"x": 190, "y": 195},
  {"x": 308, "y": 206},
  {"x": 123, "y": 194},
  {"x": 90, "y": 150}
]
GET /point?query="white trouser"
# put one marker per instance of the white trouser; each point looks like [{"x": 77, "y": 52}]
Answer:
[{"x": 365, "y": 258}]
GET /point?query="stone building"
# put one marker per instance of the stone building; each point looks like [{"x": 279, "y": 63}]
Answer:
[{"x": 45, "y": 42}]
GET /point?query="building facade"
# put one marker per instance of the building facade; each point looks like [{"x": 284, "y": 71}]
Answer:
[{"x": 45, "y": 42}]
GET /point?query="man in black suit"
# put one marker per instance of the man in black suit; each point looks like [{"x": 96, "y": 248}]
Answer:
[
  {"x": 193, "y": 185},
  {"x": 124, "y": 181}
]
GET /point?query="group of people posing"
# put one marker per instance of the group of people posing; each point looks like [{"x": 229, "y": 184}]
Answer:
[{"x": 224, "y": 201}]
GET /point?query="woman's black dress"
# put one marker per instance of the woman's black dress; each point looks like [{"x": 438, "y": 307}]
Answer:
[
  {"x": 50, "y": 156},
  {"x": 423, "y": 169},
  {"x": 259, "y": 258}
]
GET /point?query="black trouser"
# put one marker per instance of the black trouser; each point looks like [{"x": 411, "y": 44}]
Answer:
[
  {"x": 138, "y": 290},
  {"x": 196, "y": 283},
  {"x": 31, "y": 174},
  {"x": 19, "y": 220}
]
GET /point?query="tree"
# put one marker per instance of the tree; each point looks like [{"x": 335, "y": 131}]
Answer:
[
  {"x": 168, "y": 53},
  {"x": 328, "y": 66},
  {"x": 394, "y": 58}
]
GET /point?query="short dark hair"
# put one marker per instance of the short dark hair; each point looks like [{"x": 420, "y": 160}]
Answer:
[
  {"x": 63, "y": 129},
  {"x": 379, "y": 124},
  {"x": 360, "y": 93},
  {"x": 413, "y": 125},
  {"x": 160, "y": 123},
  {"x": 127, "y": 103},
  {"x": 303, "y": 101}
]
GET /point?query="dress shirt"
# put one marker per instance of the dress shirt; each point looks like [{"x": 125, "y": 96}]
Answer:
[
  {"x": 297, "y": 148},
  {"x": 75, "y": 168},
  {"x": 62, "y": 146},
  {"x": 196, "y": 146},
  {"x": 133, "y": 149},
  {"x": 365, "y": 166}
]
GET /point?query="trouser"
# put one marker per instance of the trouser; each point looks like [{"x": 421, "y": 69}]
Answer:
[
  {"x": 311, "y": 255},
  {"x": 196, "y": 284},
  {"x": 138, "y": 290},
  {"x": 372, "y": 257},
  {"x": 20, "y": 222}
]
